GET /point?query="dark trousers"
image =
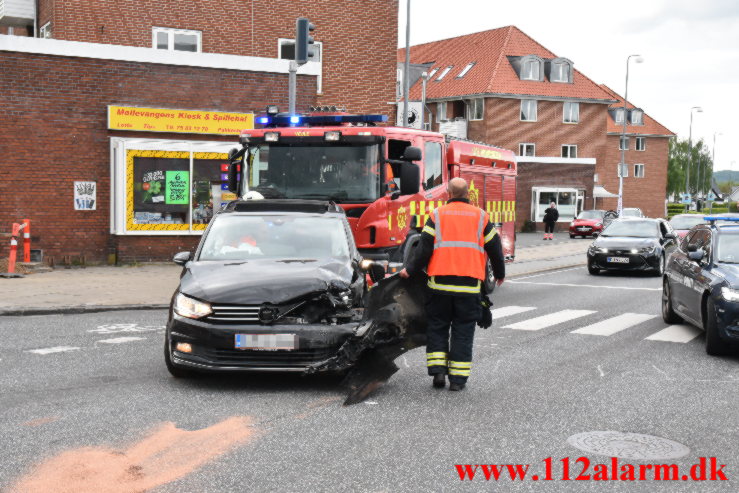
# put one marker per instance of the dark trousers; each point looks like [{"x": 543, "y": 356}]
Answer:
[
  {"x": 548, "y": 227},
  {"x": 445, "y": 354}
]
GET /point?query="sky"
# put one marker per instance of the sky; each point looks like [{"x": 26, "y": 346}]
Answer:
[{"x": 690, "y": 51}]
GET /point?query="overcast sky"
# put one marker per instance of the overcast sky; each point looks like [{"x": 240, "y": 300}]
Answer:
[{"x": 690, "y": 50}]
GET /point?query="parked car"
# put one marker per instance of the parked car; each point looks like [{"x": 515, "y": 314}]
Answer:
[
  {"x": 632, "y": 244},
  {"x": 701, "y": 284},
  {"x": 274, "y": 285},
  {"x": 587, "y": 223},
  {"x": 682, "y": 223},
  {"x": 631, "y": 212}
]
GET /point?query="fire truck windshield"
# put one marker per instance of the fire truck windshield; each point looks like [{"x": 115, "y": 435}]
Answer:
[{"x": 338, "y": 172}]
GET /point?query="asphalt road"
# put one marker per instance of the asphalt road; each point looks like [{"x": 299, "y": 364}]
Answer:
[{"x": 533, "y": 385}]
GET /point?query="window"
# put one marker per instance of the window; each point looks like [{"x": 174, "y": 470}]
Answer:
[
  {"x": 569, "y": 202},
  {"x": 641, "y": 143},
  {"x": 560, "y": 71},
  {"x": 475, "y": 109},
  {"x": 623, "y": 143},
  {"x": 531, "y": 68},
  {"x": 433, "y": 72},
  {"x": 571, "y": 112},
  {"x": 465, "y": 70},
  {"x": 618, "y": 115},
  {"x": 569, "y": 150},
  {"x": 638, "y": 171},
  {"x": 443, "y": 73},
  {"x": 286, "y": 51},
  {"x": 176, "y": 39},
  {"x": 441, "y": 111},
  {"x": 622, "y": 168},
  {"x": 432, "y": 165},
  {"x": 45, "y": 31},
  {"x": 528, "y": 110},
  {"x": 527, "y": 149},
  {"x": 637, "y": 117}
]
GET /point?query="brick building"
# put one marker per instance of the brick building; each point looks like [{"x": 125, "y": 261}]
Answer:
[
  {"x": 503, "y": 88},
  {"x": 123, "y": 96}
]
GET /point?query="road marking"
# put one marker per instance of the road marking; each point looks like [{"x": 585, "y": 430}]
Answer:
[
  {"x": 612, "y": 325},
  {"x": 676, "y": 333},
  {"x": 547, "y": 273},
  {"x": 600, "y": 370},
  {"x": 545, "y": 321},
  {"x": 114, "y": 328},
  {"x": 121, "y": 340},
  {"x": 582, "y": 285},
  {"x": 507, "y": 311},
  {"x": 51, "y": 350}
]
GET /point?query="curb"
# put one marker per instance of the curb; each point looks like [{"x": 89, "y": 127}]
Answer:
[
  {"x": 67, "y": 310},
  {"x": 546, "y": 269}
]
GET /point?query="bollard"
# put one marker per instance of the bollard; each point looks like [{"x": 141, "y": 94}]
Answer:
[
  {"x": 13, "y": 247},
  {"x": 26, "y": 240}
]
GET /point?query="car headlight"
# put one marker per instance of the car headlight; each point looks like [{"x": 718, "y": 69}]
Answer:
[
  {"x": 598, "y": 225},
  {"x": 645, "y": 250},
  {"x": 730, "y": 294},
  {"x": 594, "y": 249},
  {"x": 603, "y": 250},
  {"x": 572, "y": 223},
  {"x": 190, "y": 308}
]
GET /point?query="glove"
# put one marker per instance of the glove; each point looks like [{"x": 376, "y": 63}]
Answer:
[{"x": 486, "y": 317}]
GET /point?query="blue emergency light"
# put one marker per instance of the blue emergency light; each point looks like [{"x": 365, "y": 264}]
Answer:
[
  {"x": 285, "y": 120},
  {"x": 712, "y": 219}
]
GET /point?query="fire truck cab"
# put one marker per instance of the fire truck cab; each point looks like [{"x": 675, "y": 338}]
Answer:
[{"x": 387, "y": 179}]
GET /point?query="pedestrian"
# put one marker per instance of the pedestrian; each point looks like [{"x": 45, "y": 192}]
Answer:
[
  {"x": 455, "y": 243},
  {"x": 551, "y": 215}
]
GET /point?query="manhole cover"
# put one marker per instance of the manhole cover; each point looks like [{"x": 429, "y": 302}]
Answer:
[{"x": 627, "y": 445}]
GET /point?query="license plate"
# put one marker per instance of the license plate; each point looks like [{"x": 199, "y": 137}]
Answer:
[
  {"x": 266, "y": 342},
  {"x": 618, "y": 260},
  {"x": 583, "y": 229}
]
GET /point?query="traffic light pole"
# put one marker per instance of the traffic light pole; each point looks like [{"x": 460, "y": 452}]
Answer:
[{"x": 292, "y": 83}]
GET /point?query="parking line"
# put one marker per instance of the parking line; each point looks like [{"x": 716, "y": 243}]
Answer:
[
  {"x": 545, "y": 321},
  {"x": 676, "y": 333},
  {"x": 120, "y": 340},
  {"x": 582, "y": 285},
  {"x": 615, "y": 324},
  {"x": 51, "y": 350},
  {"x": 507, "y": 311}
]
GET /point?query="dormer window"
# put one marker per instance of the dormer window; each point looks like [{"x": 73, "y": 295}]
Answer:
[
  {"x": 637, "y": 117},
  {"x": 532, "y": 68},
  {"x": 618, "y": 115},
  {"x": 465, "y": 70},
  {"x": 560, "y": 70},
  {"x": 443, "y": 73}
]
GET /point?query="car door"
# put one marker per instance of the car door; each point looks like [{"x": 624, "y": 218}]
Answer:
[
  {"x": 677, "y": 270},
  {"x": 697, "y": 272}
]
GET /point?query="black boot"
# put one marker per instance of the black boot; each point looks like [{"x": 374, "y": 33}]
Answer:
[
  {"x": 439, "y": 380},
  {"x": 456, "y": 386}
]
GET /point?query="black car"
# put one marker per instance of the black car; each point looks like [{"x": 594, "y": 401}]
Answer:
[
  {"x": 274, "y": 285},
  {"x": 701, "y": 283},
  {"x": 633, "y": 244}
]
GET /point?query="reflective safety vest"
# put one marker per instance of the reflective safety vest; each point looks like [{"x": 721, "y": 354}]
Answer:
[{"x": 459, "y": 245}]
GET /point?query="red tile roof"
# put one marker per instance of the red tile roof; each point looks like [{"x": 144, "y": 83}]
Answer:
[
  {"x": 650, "y": 127},
  {"x": 493, "y": 73}
]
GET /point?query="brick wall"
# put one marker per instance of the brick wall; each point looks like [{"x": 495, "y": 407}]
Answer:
[
  {"x": 359, "y": 36},
  {"x": 53, "y": 132}
]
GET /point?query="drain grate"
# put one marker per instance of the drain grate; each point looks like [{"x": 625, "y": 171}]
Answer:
[{"x": 627, "y": 445}]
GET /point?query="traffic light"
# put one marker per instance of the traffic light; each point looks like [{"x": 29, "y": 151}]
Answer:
[{"x": 304, "y": 49}]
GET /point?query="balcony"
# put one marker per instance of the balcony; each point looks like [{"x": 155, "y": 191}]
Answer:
[
  {"x": 456, "y": 127},
  {"x": 16, "y": 12}
]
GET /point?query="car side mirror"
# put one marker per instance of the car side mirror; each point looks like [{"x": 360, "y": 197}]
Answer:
[
  {"x": 697, "y": 255},
  {"x": 181, "y": 258},
  {"x": 375, "y": 270},
  {"x": 410, "y": 178},
  {"x": 692, "y": 248},
  {"x": 412, "y": 153},
  {"x": 670, "y": 236}
]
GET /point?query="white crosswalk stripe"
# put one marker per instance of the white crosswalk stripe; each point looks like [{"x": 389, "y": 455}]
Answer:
[
  {"x": 507, "y": 311},
  {"x": 545, "y": 321},
  {"x": 676, "y": 333},
  {"x": 613, "y": 325}
]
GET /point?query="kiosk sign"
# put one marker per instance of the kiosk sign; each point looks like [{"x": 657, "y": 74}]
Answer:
[{"x": 178, "y": 121}]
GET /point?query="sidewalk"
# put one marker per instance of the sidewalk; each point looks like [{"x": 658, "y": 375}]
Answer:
[{"x": 152, "y": 285}]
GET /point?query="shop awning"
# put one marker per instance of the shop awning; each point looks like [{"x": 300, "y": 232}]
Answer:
[{"x": 600, "y": 192}]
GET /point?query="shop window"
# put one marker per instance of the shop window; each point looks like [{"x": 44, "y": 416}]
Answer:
[
  {"x": 528, "y": 110},
  {"x": 641, "y": 143},
  {"x": 569, "y": 150},
  {"x": 176, "y": 39},
  {"x": 569, "y": 202},
  {"x": 527, "y": 149},
  {"x": 432, "y": 165},
  {"x": 571, "y": 112},
  {"x": 286, "y": 51}
]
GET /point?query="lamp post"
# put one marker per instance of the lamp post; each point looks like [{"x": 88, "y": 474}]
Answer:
[
  {"x": 407, "y": 65},
  {"x": 713, "y": 160},
  {"x": 694, "y": 109},
  {"x": 637, "y": 59}
]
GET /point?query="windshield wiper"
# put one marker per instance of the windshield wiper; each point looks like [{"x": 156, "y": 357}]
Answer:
[{"x": 337, "y": 197}]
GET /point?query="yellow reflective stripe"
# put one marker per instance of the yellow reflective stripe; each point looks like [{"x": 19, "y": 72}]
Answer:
[
  {"x": 436, "y": 362},
  {"x": 454, "y": 289},
  {"x": 438, "y": 354},
  {"x": 429, "y": 230},
  {"x": 491, "y": 235},
  {"x": 461, "y": 373},
  {"x": 460, "y": 364}
]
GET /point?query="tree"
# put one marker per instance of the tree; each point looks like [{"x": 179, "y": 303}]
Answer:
[{"x": 700, "y": 166}]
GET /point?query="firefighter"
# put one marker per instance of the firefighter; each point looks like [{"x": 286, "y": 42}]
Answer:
[
  {"x": 551, "y": 215},
  {"x": 455, "y": 242}
]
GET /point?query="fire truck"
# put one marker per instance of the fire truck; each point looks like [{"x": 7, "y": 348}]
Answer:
[{"x": 387, "y": 179}]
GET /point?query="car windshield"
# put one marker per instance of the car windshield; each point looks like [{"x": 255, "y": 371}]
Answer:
[
  {"x": 338, "y": 172},
  {"x": 728, "y": 248},
  {"x": 591, "y": 215},
  {"x": 237, "y": 237},
  {"x": 686, "y": 222},
  {"x": 631, "y": 213},
  {"x": 636, "y": 229}
]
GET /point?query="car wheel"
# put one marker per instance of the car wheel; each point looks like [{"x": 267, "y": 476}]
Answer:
[
  {"x": 714, "y": 345},
  {"x": 594, "y": 271},
  {"x": 668, "y": 314},
  {"x": 175, "y": 371},
  {"x": 660, "y": 270},
  {"x": 572, "y": 237}
]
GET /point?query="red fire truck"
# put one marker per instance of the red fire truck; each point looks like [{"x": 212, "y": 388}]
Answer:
[{"x": 387, "y": 179}]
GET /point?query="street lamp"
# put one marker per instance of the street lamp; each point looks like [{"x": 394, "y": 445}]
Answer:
[
  {"x": 713, "y": 160},
  {"x": 637, "y": 59},
  {"x": 694, "y": 109}
]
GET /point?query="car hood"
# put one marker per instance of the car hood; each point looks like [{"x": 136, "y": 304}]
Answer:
[
  {"x": 586, "y": 222},
  {"x": 251, "y": 282},
  {"x": 730, "y": 272},
  {"x": 617, "y": 242}
]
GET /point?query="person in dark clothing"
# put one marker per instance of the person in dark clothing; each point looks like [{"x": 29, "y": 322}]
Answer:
[
  {"x": 456, "y": 242},
  {"x": 551, "y": 215}
]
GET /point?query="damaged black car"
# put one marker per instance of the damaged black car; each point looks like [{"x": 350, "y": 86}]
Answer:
[{"x": 274, "y": 285}]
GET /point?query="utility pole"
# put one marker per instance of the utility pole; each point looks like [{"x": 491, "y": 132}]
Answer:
[
  {"x": 690, "y": 152},
  {"x": 623, "y": 142},
  {"x": 407, "y": 67}
]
